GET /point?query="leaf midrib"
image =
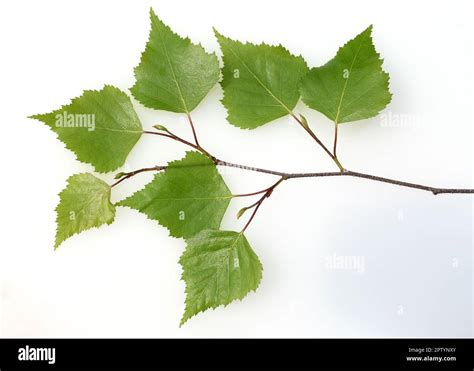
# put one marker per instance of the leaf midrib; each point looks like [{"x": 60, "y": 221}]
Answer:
[
  {"x": 119, "y": 130},
  {"x": 180, "y": 199},
  {"x": 83, "y": 208},
  {"x": 226, "y": 257},
  {"x": 259, "y": 81},
  {"x": 181, "y": 97},
  {"x": 336, "y": 120}
]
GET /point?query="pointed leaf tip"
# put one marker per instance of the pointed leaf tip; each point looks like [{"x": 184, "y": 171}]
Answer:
[
  {"x": 252, "y": 82},
  {"x": 163, "y": 81},
  {"x": 100, "y": 127},
  {"x": 352, "y": 86}
]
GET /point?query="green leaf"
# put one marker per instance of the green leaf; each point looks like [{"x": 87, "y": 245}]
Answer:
[
  {"x": 100, "y": 127},
  {"x": 351, "y": 86},
  {"x": 260, "y": 82},
  {"x": 189, "y": 196},
  {"x": 218, "y": 267},
  {"x": 84, "y": 204},
  {"x": 174, "y": 74}
]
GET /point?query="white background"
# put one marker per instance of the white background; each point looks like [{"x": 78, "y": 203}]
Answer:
[{"x": 124, "y": 280}]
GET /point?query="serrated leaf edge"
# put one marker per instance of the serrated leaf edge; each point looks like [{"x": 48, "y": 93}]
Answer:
[
  {"x": 184, "y": 320},
  {"x": 73, "y": 101},
  {"x": 386, "y": 74},
  {"x": 68, "y": 183},
  {"x": 185, "y": 38},
  {"x": 120, "y": 203},
  {"x": 247, "y": 43}
]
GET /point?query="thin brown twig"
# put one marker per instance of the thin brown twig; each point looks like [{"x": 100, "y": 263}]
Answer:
[
  {"x": 434, "y": 190},
  {"x": 133, "y": 173},
  {"x": 170, "y": 135},
  {"x": 311, "y": 133},
  {"x": 317, "y": 140},
  {"x": 260, "y": 202},
  {"x": 252, "y": 193},
  {"x": 190, "y": 120},
  {"x": 286, "y": 175}
]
